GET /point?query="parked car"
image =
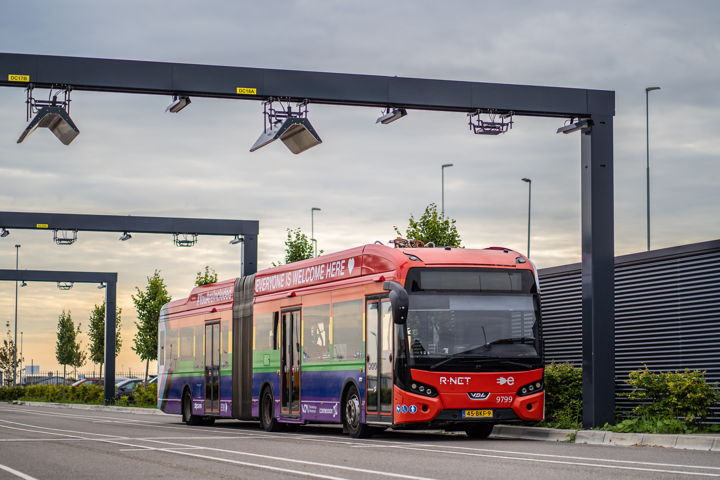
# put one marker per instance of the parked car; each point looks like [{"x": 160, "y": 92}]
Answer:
[
  {"x": 89, "y": 381},
  {"x": 126, "y": 388}
]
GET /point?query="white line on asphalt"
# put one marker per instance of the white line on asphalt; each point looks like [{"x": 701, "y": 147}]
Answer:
[
  {"x": 24, "y": 476},
  {"x": 583, "y": 464},
  {"x": 149, "y": 449},
  {"x": 437, "y": 449},
  {"x": 171, "y": 446}
]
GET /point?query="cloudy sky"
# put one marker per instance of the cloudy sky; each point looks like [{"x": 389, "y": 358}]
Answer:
[{"x": 134, "y": 159}]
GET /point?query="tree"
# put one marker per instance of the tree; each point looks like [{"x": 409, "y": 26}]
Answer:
[
  {"x": 206, "y": 277},
  {"x": 297, "y": 246},
  {"x": 432, "y": 227},
  {"x": 148, "y": 304},
  {"x": 96, "y": 332},
  {"x": 66, "y": 344},
  {"x": 7, "y": 358},
  {"x": 79, "y": 355}
]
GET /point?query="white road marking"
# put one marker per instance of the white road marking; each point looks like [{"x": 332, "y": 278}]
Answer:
[
  {"x": 22, "y": 475},
  {"x": 468, "y": 451},
  {"x": 171, "y": 447}
]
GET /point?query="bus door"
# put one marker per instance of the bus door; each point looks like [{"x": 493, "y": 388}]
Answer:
[
  {"x": 212, "y": 367},
  {"x": 379, "y": 358},
  {"x": 290, "y": 364}
]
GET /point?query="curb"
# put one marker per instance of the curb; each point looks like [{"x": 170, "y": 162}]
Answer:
[
  {"x": 533, "y": 433},
  {"x": 708, "y": 443},
  {"x": 106, "y": 408}
]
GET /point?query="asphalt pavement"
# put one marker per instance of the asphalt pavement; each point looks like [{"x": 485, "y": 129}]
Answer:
[{"x": 59, "y": 443}]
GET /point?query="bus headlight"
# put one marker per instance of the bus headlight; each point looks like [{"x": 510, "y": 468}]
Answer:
[
  {"x": 530, "y": 388},
  {"x": 422, "y": 389}
]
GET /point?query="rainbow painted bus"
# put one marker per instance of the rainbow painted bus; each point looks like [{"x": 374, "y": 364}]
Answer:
[{"x": 372, "y": 337}]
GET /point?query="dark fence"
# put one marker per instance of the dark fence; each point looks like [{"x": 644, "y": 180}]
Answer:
[
  {"x": 56, "y": 377},
  {"x": 667, "y": 313}
]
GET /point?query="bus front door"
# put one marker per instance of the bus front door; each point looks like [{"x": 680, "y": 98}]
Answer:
[
  {"x": 212, "y": 367},
  {"x": 379, "y": 371},
  {"x": 290, "y": 363}
]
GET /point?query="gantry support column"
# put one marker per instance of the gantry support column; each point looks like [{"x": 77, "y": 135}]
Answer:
[
  {"x": 110, "y": 320},
  {"x": 598, "y": 257}
]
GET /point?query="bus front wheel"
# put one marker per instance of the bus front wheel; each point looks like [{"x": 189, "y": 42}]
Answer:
[
  {"x": 352, "y": 416},
  {"x": 479, "y": 430},
  {"x": 187, "y": 415},
  {"x": 268, "y": 422}
]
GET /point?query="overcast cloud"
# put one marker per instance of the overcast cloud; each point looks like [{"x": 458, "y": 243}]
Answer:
[{"x": 133, "y": 158}]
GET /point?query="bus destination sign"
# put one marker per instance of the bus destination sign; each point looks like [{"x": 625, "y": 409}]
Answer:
[{"x": 334, "y": 270}]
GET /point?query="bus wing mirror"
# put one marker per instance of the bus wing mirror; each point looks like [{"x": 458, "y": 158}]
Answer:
[{"x": 399, "y": 301}]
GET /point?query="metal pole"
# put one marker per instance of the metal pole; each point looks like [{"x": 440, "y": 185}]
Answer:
[
  {"x": 529, "y": 182},
  {"x": 647, "y": 159},
  {"x": 598, "y": 255},
  {"x": 110, "y": 306},
  {"x": 442, "y": 187},
  {"x": 312, "y": 227},
  {"x": 17, "y": 256}
]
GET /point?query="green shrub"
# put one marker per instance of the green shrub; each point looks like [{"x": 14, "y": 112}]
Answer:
[
  {"x": 675, "y": 395},
  {"x": 146, "y": 395},
  {"x": 563, "y": 396},
  {"x": 8, "y": 394}
]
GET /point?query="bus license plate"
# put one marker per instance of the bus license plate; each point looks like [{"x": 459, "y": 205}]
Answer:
[{"x": 477, "y": 413}]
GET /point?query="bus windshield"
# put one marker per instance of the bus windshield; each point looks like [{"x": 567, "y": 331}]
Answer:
[{"x": 442, "y": 328}]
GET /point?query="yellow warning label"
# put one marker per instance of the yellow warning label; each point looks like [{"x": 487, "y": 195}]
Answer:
[
  {"x": 18, "y": 78},
  {"x": 41, "y": 225},
  {"x": 246, "y": 91}
]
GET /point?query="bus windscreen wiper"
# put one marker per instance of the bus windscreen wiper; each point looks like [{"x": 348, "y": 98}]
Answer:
[{"x": 510, "y": 340}]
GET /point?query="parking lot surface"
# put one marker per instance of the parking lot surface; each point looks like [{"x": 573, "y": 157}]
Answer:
[{"x": 59, "y": 443}]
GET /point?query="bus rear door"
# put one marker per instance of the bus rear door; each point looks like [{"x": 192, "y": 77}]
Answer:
[
  {"x": 290, "y": 364},
  {"x": 379, "y": 371},
  {"x": 212, "y": 367}
]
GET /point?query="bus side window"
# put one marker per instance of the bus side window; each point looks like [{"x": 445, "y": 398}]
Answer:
[
  {"x": 171, "y": 352},
  {"x": 199, "y": 356},
  {"x": 186, "y": 345},
  {"x": 347, "y": 330},
  {"x": 265, "y": 331},
  {"x": 225, "y": 336},
  {"x": 161, "y": 344},
  {"x": 316, "y": 333}
]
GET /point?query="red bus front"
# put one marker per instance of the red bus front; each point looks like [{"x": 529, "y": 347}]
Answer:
[{"x": 469, "y": 352}]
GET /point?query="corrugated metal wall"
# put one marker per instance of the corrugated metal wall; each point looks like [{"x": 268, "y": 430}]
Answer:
[{"x": 667, "y": 313}]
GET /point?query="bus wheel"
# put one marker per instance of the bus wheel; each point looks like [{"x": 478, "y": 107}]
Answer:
[
  {"x": 352, "y": 415},
  {"x": 479, "y": 430},
  {"x": 187, "y": 415},
  {"x": 268, "y": 422}
]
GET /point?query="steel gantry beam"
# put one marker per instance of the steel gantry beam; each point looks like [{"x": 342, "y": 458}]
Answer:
[
  {"x": 248, "y": 229},
  {"x": 110, "y": 281},
  {"x": 131, "y": 76},
  {"x": 594, "y": 108}
]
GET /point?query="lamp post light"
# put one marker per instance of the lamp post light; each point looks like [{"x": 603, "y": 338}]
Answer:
[
  {"x": 647, "y": 157},
  {"x": 529, "y": 182},
  {"x": 442, "y": 187},
  {"x": 312, "y": 227},
  {"x": 17, "y": 256}
]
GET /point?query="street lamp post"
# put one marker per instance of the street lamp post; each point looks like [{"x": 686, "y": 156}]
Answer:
[
  {"x": 21, "y": 354},
  {"x": 647, "y": 157},
  {"x": 17, "y": 256},
  {"x": 442, "y": 187},
  {"x": 312, "y": 227},
  {"x": 529, "y": 182}
]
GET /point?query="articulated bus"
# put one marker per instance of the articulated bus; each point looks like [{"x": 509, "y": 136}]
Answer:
[{"x": 372, "y": 337}]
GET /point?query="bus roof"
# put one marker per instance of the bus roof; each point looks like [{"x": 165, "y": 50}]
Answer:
[{"x": 372, "y": 259}]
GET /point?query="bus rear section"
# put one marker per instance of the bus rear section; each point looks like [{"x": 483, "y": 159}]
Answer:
[{"x": 195, "y": 351}]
